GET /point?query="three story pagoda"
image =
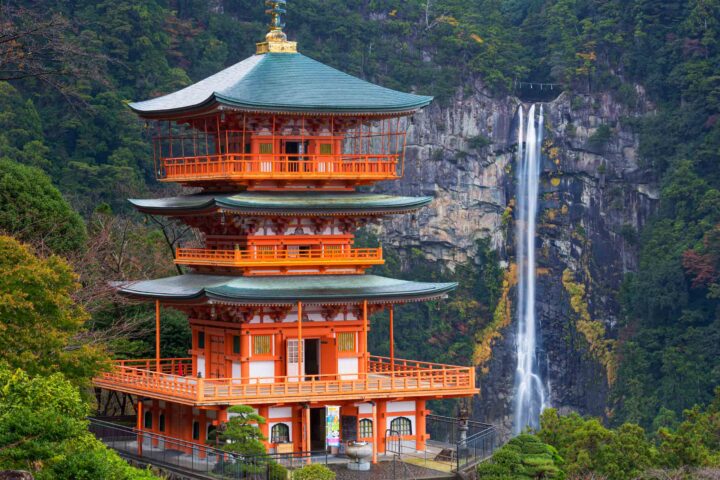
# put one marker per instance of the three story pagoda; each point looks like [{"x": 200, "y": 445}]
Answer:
[{"x": 277, "y": 299}]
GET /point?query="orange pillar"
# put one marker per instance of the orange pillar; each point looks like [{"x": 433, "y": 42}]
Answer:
[
  {"x": 365, "y": 356},
  {"x": 264, "y": 412},
  {"x": 157, "y": 336},
  {"x": 420, "y": 434},
  {"x": 392, "y": 339},
  {"x": 300, "y": 346},
  {"x": 202, "y": 420},
  {"x": 306, "y": 432},
  {"x": 245, "y": 340},
  {"x": 380, "y": 426},
  {"x": 376, "y": 436},
  {"x": 139, "y": 427}
]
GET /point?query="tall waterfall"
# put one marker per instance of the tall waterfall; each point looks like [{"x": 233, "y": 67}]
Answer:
[{"x": 530, "y": 390}]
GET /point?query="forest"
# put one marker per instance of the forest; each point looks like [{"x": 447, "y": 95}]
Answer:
[{"x": 71, "y": 153}]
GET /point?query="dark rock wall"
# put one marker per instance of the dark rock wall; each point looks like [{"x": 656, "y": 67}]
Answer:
[{"x": 595, "y": 195}]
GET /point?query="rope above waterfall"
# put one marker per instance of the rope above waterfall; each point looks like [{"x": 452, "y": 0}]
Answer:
[{"x": 517, "y": 84}]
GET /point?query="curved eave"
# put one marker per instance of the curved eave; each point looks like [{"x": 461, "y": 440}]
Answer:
[
  {"x": 218, "y": 102},
  {"x": 197, "y": 288},
  {"x": 210, "y": 204}
]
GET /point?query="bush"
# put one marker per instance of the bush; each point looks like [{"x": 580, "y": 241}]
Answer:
[
  {"x": 314, "y": 472},
  {"x": 525, "y": 456}
]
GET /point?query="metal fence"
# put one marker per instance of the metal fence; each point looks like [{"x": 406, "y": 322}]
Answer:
[
  {"x": 198, "y": 459},
  {"x": 461, "y": 441}
]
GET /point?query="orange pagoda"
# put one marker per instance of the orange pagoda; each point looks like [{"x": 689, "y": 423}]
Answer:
[{"x": 278, "y": 299}]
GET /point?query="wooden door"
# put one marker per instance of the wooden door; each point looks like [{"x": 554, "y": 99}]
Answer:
[{"x": 217, "y": 357}]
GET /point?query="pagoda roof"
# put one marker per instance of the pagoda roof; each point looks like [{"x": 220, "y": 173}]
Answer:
[
  {"x": 284, "y": 290},
  {"x": 310, "y": 203},
  {"x": 283, "y": 82}
]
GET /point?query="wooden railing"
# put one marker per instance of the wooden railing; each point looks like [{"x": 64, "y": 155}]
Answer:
[
  {"x": 383, "y": 379},
  {"x": 279, "y": 257},
  {"x": 280, "y": 166}
]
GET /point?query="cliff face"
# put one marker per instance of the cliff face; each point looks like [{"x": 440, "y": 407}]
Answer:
[{"x": 595, "y": 196}]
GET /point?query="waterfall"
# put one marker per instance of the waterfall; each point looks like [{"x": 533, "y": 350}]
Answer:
[{"x": 530, "y": 390}]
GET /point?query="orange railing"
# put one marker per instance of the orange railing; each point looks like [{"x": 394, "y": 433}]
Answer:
[
  {"x": 260, "y": 258},
  {"x": 280, "y": 166},
  {"x": 382, "y": 380}
]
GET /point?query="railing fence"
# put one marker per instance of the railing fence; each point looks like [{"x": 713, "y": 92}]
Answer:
[{"x": 164, "y": 451}]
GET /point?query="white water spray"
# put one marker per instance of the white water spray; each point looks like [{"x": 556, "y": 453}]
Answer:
[{"x": 530, "y": 390}]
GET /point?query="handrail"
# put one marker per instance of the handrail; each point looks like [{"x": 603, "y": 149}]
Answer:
[
  {"x": 285, "y": 256},
  {"x": 258, "y": 165},
  {"x": 378, "y": 379}
]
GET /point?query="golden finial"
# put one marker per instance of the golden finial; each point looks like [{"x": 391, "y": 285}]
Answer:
[{"x": 276, "y": 41}]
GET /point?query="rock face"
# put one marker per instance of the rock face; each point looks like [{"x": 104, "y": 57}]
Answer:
[{"x": 595, "y": 195}]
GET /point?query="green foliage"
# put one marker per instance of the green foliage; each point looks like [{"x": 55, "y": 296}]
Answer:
[
  {"x": 33, "y": 210},
  {"x": 313, "y": 472},
  {"x": 523, "y": 457},
  {"x": 479, "y": 142},
  {"x": 41, "y": 321},
  {"x": 240, "y": 434},
  {"x": 43, "y": 429},
  {"x": 587, "y": 446},
  {"x": 600, "y": 137},
  {"x": 696, "y": 441}
]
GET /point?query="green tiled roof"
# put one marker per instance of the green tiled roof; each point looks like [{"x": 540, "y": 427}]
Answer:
[
  {"x": 285, "y": 290},
  {"x": 282, "y": 202},
  {"x": 282, "y": 82}
]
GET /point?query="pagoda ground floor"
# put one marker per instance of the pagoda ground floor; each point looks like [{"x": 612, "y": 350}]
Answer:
[{"x": 295, "y": 427}]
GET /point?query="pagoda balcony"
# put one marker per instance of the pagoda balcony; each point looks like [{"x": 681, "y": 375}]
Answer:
[
  {"x": 281, "y": 260},
  {"x": 248, "y": 168},
  {"x": 172, "y": 381}
]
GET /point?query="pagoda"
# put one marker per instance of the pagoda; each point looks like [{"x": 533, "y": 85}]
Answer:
[{"x": 277, "y": 298}]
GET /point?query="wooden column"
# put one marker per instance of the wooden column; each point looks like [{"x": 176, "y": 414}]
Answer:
[
  {"x": 306, "y": 432},
  {"x": 365, "y": 356},
  {"x": 157, "y": 336},
  {"x": 139, "y": 427},
  {"x": 300, "y": 347},
  {"x": 245, "y": 340},
  {"x": 392, "y": 339},
  {"x": 264, "y": 412},
  {"x": 380, "y": 426},
  {"x": 376, "y": 435},
  {"x": 420, "y": 434}
]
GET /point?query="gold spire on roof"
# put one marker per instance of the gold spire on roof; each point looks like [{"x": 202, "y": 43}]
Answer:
[{"x": 276, "y": 41}]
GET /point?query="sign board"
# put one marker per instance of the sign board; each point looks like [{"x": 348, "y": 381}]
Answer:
[{"x": 332, "y": 426}]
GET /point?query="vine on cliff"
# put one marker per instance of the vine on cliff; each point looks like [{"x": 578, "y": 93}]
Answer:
[{"x": 601, "y": 348}]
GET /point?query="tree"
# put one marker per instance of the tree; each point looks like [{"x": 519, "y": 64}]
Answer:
[
  {"x": 241, "y": 434},
  {"x": 38, "y": 44},
  {"x": 523, "y": 457},
  {"x": 40, "y": 318},
  {"x": 34, "y": 211},
  {"x": 588, "y": 447},
  {"x": 43, "y": 429}
]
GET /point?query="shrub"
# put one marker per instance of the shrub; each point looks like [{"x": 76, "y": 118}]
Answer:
[{"x": 314, "y": 472}]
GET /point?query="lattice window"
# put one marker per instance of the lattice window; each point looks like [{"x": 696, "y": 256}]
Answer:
[
  {"x": 161, "y": 422},
  {"x": 262, "y": 344},
  {"x": 266, "y": 148},
  {"x": 236, "y": 344},
  {"x": 402, "y": 425},
  {"x": 201, "y": 339},
  {"x": 292, "y": 351},
  {"x": 280, "y": 433},
  {"x": 366, "y": 428},
  {"x": 346, "y": 341},
  {"x": 326, "y": 148},
  {"x": 196, "y": 430}
]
